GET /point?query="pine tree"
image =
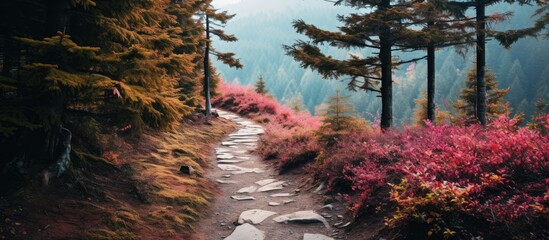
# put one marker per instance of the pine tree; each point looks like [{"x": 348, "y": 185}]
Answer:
[
  {"x": 119, "y": 64},
  {"x": 260, "y": 86},
  {"x": 219, "y": 18},
  {"x": 296, "y": 103},
  {"x": 466, "y": 105},
  {"x": 337, "y": 118},
  {"x": 381, "y": 26},
  {"x": 420, "y": 112},
  {"x": 508, "y": 37},
  {"x": 441, "y": 29},
  {"x": 505, "y": 38}
]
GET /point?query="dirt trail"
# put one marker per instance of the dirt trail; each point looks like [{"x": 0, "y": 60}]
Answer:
[{"x": 237, "y": 168}]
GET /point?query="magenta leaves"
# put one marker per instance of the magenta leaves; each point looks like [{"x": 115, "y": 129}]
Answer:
[{"x": 440, "y": 181}]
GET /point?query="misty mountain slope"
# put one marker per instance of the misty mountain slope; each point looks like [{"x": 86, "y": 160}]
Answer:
[{"x": 264, "y": 26}]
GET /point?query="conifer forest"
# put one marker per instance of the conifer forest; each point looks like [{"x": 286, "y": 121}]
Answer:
[{"x": 275, "y": 120}]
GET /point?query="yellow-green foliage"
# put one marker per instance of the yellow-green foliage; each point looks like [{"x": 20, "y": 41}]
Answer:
[
  {"x": 118, "y": 224},
  {"x": 420, "y": 112},
  {"x": 436, "y": 208},
  {"x": 123, "y": 219},
  {"x": 169, "y": 221},
  {"x": 124, "y": 64},
  {"x": 496, "y": 105},
  {"x": 339, "y": 118},
  {"x": 183, "y": 199}
]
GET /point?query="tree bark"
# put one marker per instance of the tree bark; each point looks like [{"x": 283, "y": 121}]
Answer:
[
  {"x": 481, "y": 63},
  {"x": 386, "y": 72},
  {"x": 207, "y": 69},
  {"x": 431, "y": 80},
  {"x": 57, "y": 21}
]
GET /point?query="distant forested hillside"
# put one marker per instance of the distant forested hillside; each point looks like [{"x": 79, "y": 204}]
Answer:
[{"x": 262, "y": 33}]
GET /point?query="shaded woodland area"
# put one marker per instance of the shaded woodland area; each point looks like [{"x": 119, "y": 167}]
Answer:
[
  {"x": 72, "y": 70},
  {"x": 98, "y": 101}
]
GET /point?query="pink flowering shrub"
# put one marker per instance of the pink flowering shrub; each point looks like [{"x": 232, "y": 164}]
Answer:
[
  {"x": 291, "y": 147},
  {"x": 289, "y": 136},
  {"x": 441, "y": 182},
  {"x": 438, "y": 176},
  {"x": 262, "y": 108}
]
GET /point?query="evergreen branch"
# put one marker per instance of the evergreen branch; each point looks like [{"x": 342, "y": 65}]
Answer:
[
  {"x": 217, "y": 24},
  {"x": 222, "y": 17},
  {"x": 365, "y": 85},
  {"x": 227, "y": 59},
  {"x": 335, "y": 39},
  {"x": 224, "y": 37},
  {"x": 411, "y": 60}
]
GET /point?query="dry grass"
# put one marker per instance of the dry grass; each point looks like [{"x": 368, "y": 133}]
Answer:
[{"x": 134, "y": 192}]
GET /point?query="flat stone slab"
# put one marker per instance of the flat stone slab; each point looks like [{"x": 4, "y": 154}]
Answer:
[
  {"x": 222, "y": 150},
  {"x": 282, "y": 195},
  {"x": 239, "y": 170},
  {"x": 221, "y": 181},
  {"x": 225, "y": 156},
  {"x": 228, "y": 167},
  {"x": 228, "y": 143},
  {"x": 288, "y": 201},
  {"x": 249, "y": 170},
  {"x": 274, "y": 204},
  {"x": 243, "y": 198},
  {"x": 310, "y": 236},
  {"x": 251, "y": 136},
  {"x": 250, "y": 189},
  {"x": 243, "y": 134},
  {"x": 265, "y": 181},
  {"x": 249, "y": 140},
  {"x": 254, "y": 216},
  {"x": 271, "y": 187},
  {"x": 302, "y": 217},
  {"x": 246, "y": 232},
  {"x": 231, "y": 161},
  {"x": 249, "y": 131}
]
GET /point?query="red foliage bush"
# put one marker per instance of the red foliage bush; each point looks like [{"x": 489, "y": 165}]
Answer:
[
  {"x": 442, "y": 181},
  {"x": 498, "y": 175},
  {"x": 291, "y": 147},
  {"x": 262, "y": 108},
  {"x": 289, "y": 135}
]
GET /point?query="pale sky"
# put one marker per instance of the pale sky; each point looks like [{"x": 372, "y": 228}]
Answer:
[{"x": 221, "y": 3}]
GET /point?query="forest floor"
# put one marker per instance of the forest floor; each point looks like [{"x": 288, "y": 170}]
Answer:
[
  {"x": 137, "y": 191},
  {"x": 134, "y": 191},
  {"x": 239, "y": 172}
]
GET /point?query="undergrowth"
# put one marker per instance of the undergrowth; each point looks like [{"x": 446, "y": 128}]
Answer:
[
  {"x": 439, "y": 182},
  {"x": 133, "y": 191}
]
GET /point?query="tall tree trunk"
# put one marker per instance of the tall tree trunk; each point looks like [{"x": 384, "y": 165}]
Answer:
[
  {"x": 431, "y": 79},
  {"x": 207, "y": 69},
  {"x": 386, "y": 72},
  {"x": 56, "y": 140},
  {"x": 481, "y": 63}
]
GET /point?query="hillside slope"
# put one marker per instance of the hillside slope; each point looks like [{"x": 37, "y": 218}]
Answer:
[{"x": 134, "y": 191}]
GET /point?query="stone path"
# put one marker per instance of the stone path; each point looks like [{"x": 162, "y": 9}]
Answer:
[{"x": 254, "y": 202}]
